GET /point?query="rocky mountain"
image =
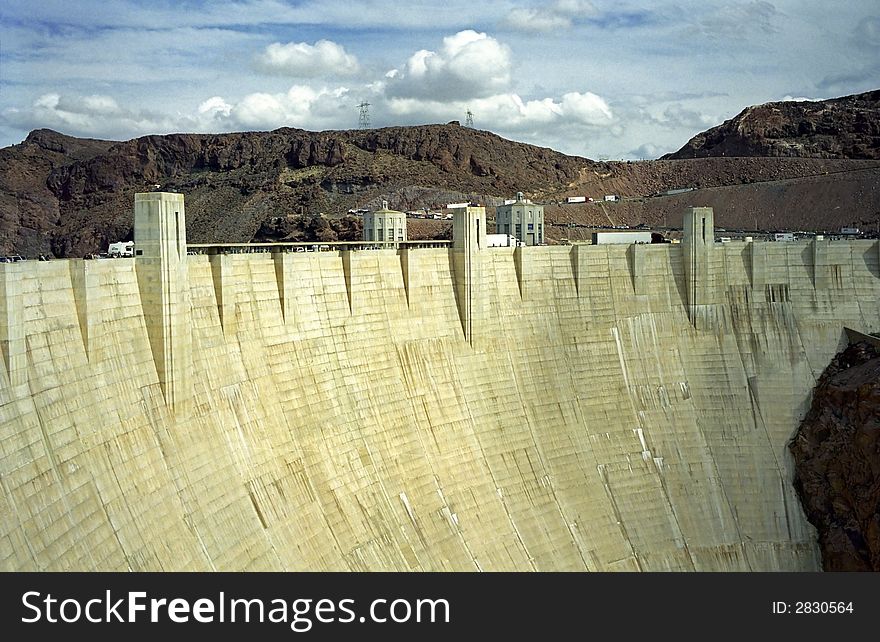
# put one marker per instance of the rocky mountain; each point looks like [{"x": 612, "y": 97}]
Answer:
[
  {"x": 847, "y": 127},
  {"x": 68, "y": 197},
  {"x": 29, "y": 209},
  {"x": 837, "y": 461}
]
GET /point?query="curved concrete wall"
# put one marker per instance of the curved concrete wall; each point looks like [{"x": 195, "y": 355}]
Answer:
[{"x": 335, "y": 417}]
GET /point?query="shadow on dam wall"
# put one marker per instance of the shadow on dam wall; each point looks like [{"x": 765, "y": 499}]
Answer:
[{"x": 589, "y": 408}]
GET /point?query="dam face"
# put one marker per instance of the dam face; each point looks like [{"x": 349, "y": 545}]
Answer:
[{"x": 539, "y": 408}]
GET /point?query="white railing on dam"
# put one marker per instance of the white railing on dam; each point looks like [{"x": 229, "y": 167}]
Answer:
[{"x": 311, "y": 246}]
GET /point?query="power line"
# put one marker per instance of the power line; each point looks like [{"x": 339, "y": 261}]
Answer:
[
  {"x": 469, "y": 121},
  {"x": 364, "y": 118}
]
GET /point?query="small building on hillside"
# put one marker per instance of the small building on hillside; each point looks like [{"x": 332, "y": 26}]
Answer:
[
  {"x": 522, "y": 219},
  {"x": 385, "y": 225}
]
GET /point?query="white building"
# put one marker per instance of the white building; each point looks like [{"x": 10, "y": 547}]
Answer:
[
  {"x": 385, "y": 225},
  {"x": 618, "y": 236},
  {"x": 502, "y": 240},
  {"x": 522, "y": 219}
]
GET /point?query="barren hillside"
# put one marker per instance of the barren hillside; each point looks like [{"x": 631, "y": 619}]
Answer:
[
  {"x": 68, "y": 196},
  {"x": 846, "y": 127}
]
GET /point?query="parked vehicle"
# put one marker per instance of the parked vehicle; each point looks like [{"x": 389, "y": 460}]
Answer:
[{"x": 124, "y": 248}]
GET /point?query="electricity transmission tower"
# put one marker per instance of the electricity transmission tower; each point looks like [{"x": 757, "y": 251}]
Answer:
[
  {"x": 364, "y": 119},
  {"x": 469, "y": 121}
]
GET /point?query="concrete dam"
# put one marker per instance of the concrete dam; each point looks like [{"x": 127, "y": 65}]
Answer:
[{"x": 580, "y": 408}]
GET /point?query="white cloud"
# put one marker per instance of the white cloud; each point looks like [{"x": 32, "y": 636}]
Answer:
[
  {"x": 94, "y": 115},
  {"x": 677, "y": 115},
  {"x": 302, "y": 60},
  {"x": 215, "y": 107},
  {"x": 534, "y": 20},
  {"x": 469, "y": 65},
  {"x": 509, "y": 113},
  {"x": 100, "y": 116},
  {"x": 549, "y": 17},
  {"x": 300, "y": 106},
  {"x": 264, "y": 111},
  {"x": 587, "y": 108},
  {"x": 473, "y": 71},
  {"x": 98, "y": 104},
  {"x": 571, "y": 123}
]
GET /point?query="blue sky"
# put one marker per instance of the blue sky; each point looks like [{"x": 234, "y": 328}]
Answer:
[{"x": 630, "y": 79}]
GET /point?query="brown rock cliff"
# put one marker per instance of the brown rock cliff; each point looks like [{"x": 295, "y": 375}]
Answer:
[{"x": 837, "y": 461}]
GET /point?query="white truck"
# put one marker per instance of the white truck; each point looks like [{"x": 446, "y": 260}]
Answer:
[
  {"x": 118, "y": 250},
  {"x": 502, "y": 240},
  {"x": 627, "y": 237}
]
